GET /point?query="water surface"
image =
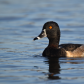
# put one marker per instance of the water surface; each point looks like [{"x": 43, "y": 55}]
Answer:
[{"x": 21, "y": 58}]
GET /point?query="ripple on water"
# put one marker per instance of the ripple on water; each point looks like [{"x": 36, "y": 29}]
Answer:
[{"x": 21, "y": 58}]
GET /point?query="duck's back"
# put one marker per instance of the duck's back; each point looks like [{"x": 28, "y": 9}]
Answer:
[
  {"x": 70, "y": 47},
  {"x": 73, "y": 50}
]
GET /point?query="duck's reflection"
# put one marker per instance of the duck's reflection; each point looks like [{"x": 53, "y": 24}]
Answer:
[{"x": 54, "y": 68}]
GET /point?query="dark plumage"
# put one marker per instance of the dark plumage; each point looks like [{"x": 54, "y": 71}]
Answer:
[{"x": 52, "y": 32}]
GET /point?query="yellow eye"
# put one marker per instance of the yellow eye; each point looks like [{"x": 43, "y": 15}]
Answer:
[{"x": 50, "y": 27}]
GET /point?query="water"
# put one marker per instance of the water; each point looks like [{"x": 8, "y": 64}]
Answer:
[{"x": 21, "y": 60}]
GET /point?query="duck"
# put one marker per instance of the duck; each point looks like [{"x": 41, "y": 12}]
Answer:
[{"x": 51, "y": 30}]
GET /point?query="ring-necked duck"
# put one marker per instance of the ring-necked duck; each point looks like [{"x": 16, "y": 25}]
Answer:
[{"x": 52, "y": 32}]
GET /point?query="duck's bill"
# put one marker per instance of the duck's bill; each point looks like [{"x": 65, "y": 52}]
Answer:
[{"x": 43, "y": 34}]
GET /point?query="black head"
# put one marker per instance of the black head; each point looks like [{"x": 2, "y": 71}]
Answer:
[{"x": 50, "y": 30}]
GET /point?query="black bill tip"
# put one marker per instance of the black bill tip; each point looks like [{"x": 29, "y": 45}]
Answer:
[{"x": 35, "y": 38}]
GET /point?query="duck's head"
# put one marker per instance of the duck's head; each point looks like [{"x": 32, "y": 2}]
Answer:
[{"x": 50, "y": 30}]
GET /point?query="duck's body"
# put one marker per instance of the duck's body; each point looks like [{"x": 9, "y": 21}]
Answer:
[
  {"x": 52, "y": 32},
  {"x": 65, "y": 50}
]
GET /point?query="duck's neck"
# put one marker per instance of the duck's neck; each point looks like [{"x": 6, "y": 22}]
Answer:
[{"x": 53, "y": 43}]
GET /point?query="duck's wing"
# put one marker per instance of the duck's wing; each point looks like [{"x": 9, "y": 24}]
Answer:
[{"x": 70, "y": 47}]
